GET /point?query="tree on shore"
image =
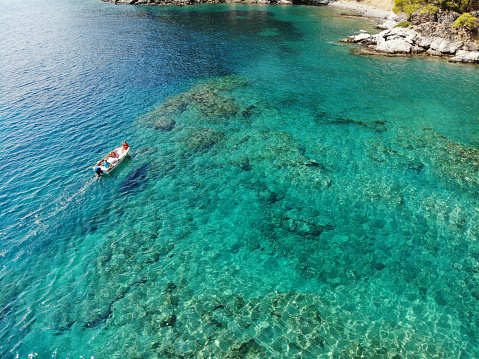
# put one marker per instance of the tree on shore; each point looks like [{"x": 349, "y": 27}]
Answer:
[
  {"x": 423, "y": 7},
  {"x": 466, "y": 20}
]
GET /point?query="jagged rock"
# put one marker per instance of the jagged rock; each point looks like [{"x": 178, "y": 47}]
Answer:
[
  {"x": 444, "y": 46},
  {"x": 363, "y": 38},
  {"x": 434, "y": 52},
  {"x": 396, "y": 40},
  {"x": 425, "y": 42},
  {"x": 393, "y": 46},
  {"x": 418, "y": 39},
  {"x": 447, "y": 32},
  {"x": 466, "y": 56},
  {"x": 409, "y": 35},
  {"x": 419, "y": 18},
  {"x": 392, "y": 20},
  {"x": 386, "y": 25},
  {"x": 447, "y": 17},
  {"x": 470, "y": 46}
]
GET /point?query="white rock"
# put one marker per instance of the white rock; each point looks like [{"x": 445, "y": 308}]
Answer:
[
  {"x": 388, "y": 24},
  {"x": 466, "y": 56},
  {"x": 445, "y": 46},
  {"x": 395, "y": 17},
  {"x": 405, "y": 34},
  {"x": 361, "y": 37},
  {"x": 394, "y": 46},
  {"x": 424, "y": 42}
]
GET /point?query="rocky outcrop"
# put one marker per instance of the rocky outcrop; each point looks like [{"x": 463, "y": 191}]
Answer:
[
  {"x": 432, "y": 39},
  {"x": 466, "y": 56}
]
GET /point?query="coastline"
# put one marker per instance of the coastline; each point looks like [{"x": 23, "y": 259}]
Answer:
[
  {"x": 373, "y": 9},
  {"x": 428, "y": 38}
]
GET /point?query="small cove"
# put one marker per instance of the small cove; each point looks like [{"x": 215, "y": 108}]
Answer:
[{"x": 284, "y": 197}]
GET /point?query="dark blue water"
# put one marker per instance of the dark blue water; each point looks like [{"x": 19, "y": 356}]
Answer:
[{"x": 283, "y": 197}]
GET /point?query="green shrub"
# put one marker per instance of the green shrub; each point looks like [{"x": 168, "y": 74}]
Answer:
[
  {"x": 432, "y": 6},
  {"x": 409, "y": 7},
  {"x": 449, "y": 5},
  {"x": 466, "y": 20},
  {"x": 429, "y": 10},
  {"x": 458, "y": 5},
  {"x": 404, "y": 24}
]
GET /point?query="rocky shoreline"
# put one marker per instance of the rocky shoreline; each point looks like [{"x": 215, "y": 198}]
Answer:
[{"x": 431, "y": 38}]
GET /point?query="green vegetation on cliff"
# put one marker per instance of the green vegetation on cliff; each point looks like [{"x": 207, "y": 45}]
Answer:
[
  {"x": 426, "y": 7},
  {"x": 466, "y": 20}
]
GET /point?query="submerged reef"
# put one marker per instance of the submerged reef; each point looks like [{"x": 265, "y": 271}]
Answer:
[{"x": 246, "y": 241}]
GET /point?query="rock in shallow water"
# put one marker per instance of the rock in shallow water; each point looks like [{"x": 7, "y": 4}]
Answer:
[
  {"x": 420, "y": 39},
  {"x": 466, "y": 56},
  {"x": 200, "y": 139},
  {"x": 164, "y": 124},
  {"x": 135, "y": 179}
]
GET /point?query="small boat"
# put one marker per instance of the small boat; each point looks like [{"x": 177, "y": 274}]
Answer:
[{"x": 108, "y": 163}]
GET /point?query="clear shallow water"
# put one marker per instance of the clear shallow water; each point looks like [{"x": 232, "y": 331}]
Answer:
[{"x": 306, "y": 203}]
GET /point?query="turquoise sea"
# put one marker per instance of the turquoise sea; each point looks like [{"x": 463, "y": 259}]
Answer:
[{"x": 284, "y": 197}]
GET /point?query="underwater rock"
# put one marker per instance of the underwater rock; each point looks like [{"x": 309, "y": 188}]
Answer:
[
  {"x": 135, "y": 179},
  {"x": 301, "y": 227},
  {"x": 144, "y": 151},
  {"x": 243, "y": 163},
  {"x": 173, "y": 106},
  {"x": 200, "y": 139},
  {"x": 106, "y": 313},
  {"x": 211, "y": 103},
  {"x": 312, "y": 163},
  {"x": 378, "y": 265},
  {"x": 168, "y": 321},
  {"x": 273, "y": 198},
  {"x": 377, "y": 126},
  {"x": 416, "y": 165},
  {"x": 245, "y": 349},
  {"x": 248, "y": 112},
  {"x": 164, "y": 124},
  {"x": 235, "y": 248},
  {"x": 160, "y": 252},
  {"x": 206, "y": 101},
  {"x": 170, "y": 287},
  {"x": 268, "y": 196}
]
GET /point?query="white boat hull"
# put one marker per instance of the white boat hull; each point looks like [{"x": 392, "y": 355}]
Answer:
[{"x": 108, "y": 163}]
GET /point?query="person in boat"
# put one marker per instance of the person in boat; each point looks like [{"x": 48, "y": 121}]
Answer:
[
  {"x": 98, "y": 171},
  {"x": 125, "y": 145},
  {"x": 106, "y": 164}
]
